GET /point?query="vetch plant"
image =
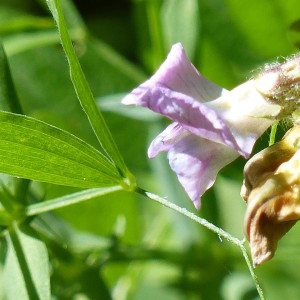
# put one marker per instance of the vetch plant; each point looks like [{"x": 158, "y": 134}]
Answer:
[
  {"x": 43, "y": 257},
  {"x": 211, "y": 126}
]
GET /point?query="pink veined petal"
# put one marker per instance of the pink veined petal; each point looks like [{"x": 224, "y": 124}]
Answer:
[
  {"x": 165, "y": 140},
  {"x": 196, "y": 162},
  {"x": 173, "y": 91},
  {"x": 177, "y": 73},
  {"x": 206, "y": 135},
  {"x": 194, "y": 116}
]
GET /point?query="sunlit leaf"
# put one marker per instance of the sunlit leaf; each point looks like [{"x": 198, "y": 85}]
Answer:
[
  {"x": 35, "y": 150},
  {"x": 84, "y": 92}
]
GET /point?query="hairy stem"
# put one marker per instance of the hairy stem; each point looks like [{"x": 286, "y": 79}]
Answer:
[{"x": 220, "y": 232}]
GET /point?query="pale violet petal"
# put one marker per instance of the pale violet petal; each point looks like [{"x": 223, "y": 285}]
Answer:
[
  {"x": 165, "y": 140},
  {"x": 196, "y": 162},
  {"x": 194, "y": 116},
  {"x": 177, "y": 73},
  {"x": 211, "y": 126},
  {"x": 173, "y": 91}
]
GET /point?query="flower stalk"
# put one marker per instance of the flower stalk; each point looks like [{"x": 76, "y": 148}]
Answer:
[{"x": 222, "y": 234}]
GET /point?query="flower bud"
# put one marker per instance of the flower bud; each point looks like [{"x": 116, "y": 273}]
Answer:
[
  {"x": 280, "y": 84},
  {"x": 271, "y": 189}
]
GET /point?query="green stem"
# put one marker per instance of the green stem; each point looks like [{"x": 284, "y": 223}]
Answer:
[
  {"x": 84, "y": 93},
  {"x": 59, "y": 202},
  {"x": 21, "y": 189},
  {"x": 251, "y": 270},
  {"x": 23, "y": 263},
  {"x": 220, "y": 232},
  {"x": 273, "y": 133},
  {"x": 9, "y": 99}
]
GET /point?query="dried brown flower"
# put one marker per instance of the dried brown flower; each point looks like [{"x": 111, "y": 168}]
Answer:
[{"x": 271, "y": 189}]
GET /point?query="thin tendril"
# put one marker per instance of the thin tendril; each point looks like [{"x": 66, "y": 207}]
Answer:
[{"x": 220, "y": 232}]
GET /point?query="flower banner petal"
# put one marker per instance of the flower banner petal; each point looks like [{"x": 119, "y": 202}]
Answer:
[
  {"x": 177, "y": 73},
  {"x": 196, "y": 117}
]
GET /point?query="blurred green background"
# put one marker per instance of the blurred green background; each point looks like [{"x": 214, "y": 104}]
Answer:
[{"x": 123, "y": 246}]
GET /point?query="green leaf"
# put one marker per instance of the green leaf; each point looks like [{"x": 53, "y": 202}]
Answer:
[
  {"x": 9, "y": 100},
  {"x": 24, "y": 41},
  {"x": 23, "y": 23},
  {"x": 8, "y": 96},
  {"x": 58, "y": 233},
  {"x": 112, "y": 103},
  {"x": 84, "y": 92},
  {"x": 267, "y": 38},
  {"x": 26, "y": 267},
  {"x": 178, "y": 29},
  {"x": 35, "y": 150}
]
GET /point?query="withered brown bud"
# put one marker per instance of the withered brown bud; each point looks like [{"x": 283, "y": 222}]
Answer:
[{"x": 271, "y": 189}]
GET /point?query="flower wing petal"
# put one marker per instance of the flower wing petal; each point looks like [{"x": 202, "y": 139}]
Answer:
[
  {"x": 194, "y": 116},
  {"x": 196, "y": 161},
  {"x": 166, "y": 140}
]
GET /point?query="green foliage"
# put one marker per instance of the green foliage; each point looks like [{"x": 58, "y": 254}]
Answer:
[
  {"x": 35, "y": 150},
  {"x": 25, "y": 258},
  {"x": 69, "y": 227}
]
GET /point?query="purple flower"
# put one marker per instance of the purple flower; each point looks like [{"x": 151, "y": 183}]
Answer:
[{"x": 211, "y": 126}]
